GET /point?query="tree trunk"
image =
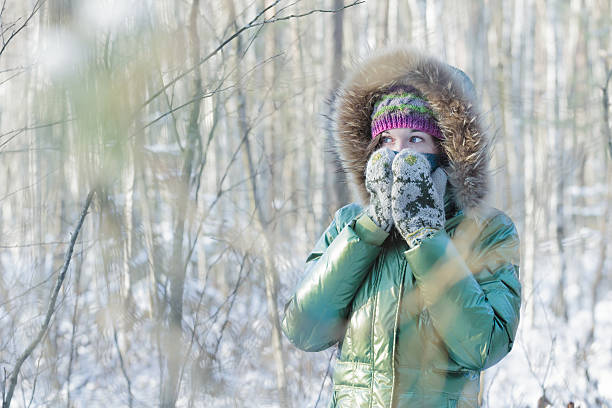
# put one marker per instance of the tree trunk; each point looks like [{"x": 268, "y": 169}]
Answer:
[
  {"x": 260, "y": 209},
  {"x": 555, "y": 138},
  {"x": 338, "y": 187},
  {"x": 418, "y": 11},
  {"x": 505, "y": 80},
  {"x": 517, "y": 108},
  {"x": 129, "y": 183},
  {"x": 304, "y": 179},
  {"x": 603, "y": 249},
  {"x": 529, "y": 139},
  {"x": 171, "y": 387},
  {"x": 382, "y": 31}
]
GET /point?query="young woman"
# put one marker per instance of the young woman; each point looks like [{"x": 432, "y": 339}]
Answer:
[{"x": 419, "y": 284}]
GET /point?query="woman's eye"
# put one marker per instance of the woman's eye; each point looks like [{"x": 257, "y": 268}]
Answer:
[
  {"x": 387, "y": 139},
  {"x": 419, "y": 139}
]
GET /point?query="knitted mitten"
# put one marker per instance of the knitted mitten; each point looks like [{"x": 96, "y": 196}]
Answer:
[
  {"x": 439, "y": 179},
  {"x": 417, "y": 206},
  {"x": 378, "y": 182}
]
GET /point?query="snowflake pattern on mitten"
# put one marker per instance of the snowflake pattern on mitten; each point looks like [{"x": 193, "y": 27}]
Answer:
[
  {"x": 417, "y": 208},
  {"x": 379, "y": 177}
]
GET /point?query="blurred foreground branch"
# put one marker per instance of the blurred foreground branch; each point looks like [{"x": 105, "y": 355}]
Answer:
[
  {"x": 600, "y": 269},
  {"x": 6, "y": 400}
]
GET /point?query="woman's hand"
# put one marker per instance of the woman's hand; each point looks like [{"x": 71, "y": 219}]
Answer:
[
  {"x": 417, "y": 200},
  {"x": 379, "y": 179}
]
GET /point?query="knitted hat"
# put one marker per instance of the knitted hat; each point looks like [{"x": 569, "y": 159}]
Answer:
[{"x": 403, "y": 107}]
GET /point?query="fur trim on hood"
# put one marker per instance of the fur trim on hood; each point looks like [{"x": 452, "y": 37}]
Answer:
[{"x": 450, "y": 94}]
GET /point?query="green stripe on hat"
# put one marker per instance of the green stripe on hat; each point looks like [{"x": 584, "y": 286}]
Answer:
[
  {"x": 403, "y": 107},
  {"x": 396, "y": 95}
]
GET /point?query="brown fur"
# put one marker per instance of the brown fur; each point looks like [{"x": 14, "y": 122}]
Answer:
[{"x": 466, "y": 145}]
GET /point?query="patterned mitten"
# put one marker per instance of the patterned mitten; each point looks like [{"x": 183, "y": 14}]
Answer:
[
  {"x": 417, "y": 206},
  {"x": 378, "y": 182},
  {"x": 439, "y": 179}
]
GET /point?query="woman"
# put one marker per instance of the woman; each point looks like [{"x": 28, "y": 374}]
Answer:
[{"x": 419, "y": 285}]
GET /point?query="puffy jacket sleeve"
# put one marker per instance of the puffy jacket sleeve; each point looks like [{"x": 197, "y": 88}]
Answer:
[
  {"x": 473, "y": 294},
  {"x": 315, "y": 316}
]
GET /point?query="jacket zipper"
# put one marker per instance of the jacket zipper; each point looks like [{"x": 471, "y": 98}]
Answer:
[{"x": 395, "y": 328}]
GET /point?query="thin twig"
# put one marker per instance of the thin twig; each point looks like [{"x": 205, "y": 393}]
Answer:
[
  {"x": 324, "y": 379},
  {"x": 123, "y": 370},
  {"x": 33, "y": 244},
  {"x": 31, "y": 185},
  {"x": 35, "y": 380},
  {"x": 75, "y": 311},
  {"x": 43, "y": 125},
  {"x": 274, "y": 20},
  {"x": 42, "y": 282},
  {"x": 231, "y": 305}
]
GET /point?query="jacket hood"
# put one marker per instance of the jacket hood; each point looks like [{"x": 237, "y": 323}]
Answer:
[{"x": 451, "y": 96}]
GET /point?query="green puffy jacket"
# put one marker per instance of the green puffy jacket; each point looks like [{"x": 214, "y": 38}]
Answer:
[{"x": 415, "y": 326}]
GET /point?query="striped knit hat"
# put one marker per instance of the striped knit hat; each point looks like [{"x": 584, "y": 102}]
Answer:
[{"x": 403, "y": 107}]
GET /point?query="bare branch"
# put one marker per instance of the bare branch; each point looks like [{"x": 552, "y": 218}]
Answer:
[
  {"x": 253, "y": 23},
  {"x": 35, "y": 244},
  {"x": 203, "y": 95},
  {"x": 275, "y": 19},
  {"x": 29, "y": 186},
  {"x": 123, "y": 370},
  {"x": 43, "y": 329},
  {"x": 35, "y": 9}
]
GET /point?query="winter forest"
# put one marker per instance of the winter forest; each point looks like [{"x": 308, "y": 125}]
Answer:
[{"x": 167, "y": 165}]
